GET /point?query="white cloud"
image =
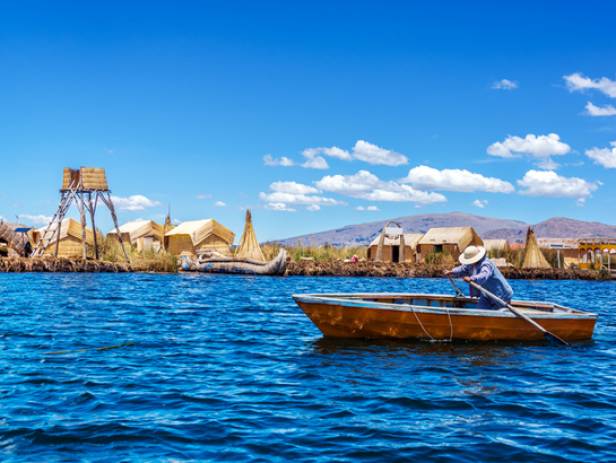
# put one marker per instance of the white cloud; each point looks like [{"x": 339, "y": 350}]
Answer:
[
  {"x": 331, "y": 151},
  {"x": 282, "y": 207},
  {"x": 578, "y": 82},
  {"x": 313, "y": 208},
  {"x": 134, "y": 202},
  {"x": 365, "y": 185},
  {"x": 549, "y": 183},
  {"x": 35, "y": 219},
  {"x": 505, "y": 84},
  {"x": 604, "y": 156},
  {"x": 600, "y": 111},
  {"x": 373, "y": 154},
  {"x": 293, "y": 188},
  {"x": 316, "y": 162},
  {"x": 203, "y": 196},
  {"x": 539, "y": 147},
  {"x": 220, "y": 204},
  {"x": 455, "y": 180},
  {"x": 282, "y": 161},
  {"x": 480, "y": 203},
  {"x": 284, "y": 194},
  {"x": 367, "y": 208}
]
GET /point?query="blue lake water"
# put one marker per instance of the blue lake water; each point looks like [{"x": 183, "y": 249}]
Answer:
[{"x": 228, "y": 368}]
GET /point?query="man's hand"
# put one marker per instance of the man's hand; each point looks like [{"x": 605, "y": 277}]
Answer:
[
  {"x": 467, "y": 279},
  {"x": 447, "y": 273}
]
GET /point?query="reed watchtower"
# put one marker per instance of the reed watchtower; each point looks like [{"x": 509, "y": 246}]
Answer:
[{"x": 85, "y": 187}]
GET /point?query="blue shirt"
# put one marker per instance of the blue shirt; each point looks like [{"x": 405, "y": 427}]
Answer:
[{"x": 486, "y": 274}]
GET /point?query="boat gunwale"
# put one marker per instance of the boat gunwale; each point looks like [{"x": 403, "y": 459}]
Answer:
[{"x": 354, "y": 300}]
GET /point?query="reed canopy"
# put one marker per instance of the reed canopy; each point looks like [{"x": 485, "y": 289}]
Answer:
[
  {"x": 85, "y": 178},
  {"x": 199, "y": 236},
  {"x": 249, "y": 246}
]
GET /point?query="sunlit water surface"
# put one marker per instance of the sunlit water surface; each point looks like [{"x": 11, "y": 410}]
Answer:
[{"x": 108, "y": 367}]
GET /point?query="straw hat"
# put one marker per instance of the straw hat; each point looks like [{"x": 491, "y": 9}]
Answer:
[{"x": 472, "y": 255}]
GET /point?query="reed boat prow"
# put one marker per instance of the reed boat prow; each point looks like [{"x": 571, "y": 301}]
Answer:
[{"x": 438, "y": 317}]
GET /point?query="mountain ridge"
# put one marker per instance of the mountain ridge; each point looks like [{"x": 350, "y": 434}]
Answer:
[{"x": 487, "y": 227}]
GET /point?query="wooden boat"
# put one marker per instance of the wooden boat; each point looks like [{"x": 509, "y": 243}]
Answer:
[
  {"x": 438, "y": 317},
  {"x": 276, "y": 266}
]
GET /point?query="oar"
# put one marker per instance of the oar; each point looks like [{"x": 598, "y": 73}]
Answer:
[
  {"x": 517, "y": 313},
  {"x": 458, "y": 291}
]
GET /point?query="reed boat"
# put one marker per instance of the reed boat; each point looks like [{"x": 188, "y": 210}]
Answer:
[
  {"x": 232, "y": 265},
  {"x": 439, "y": 317}
]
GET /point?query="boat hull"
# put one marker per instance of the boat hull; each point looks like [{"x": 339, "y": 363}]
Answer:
[{"x": 356, "y": 319}]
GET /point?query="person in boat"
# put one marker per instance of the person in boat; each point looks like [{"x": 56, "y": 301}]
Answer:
[{"x": 476, "y": 266}]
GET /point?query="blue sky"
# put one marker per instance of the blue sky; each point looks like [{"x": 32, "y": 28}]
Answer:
[{"x": 182, "y": 102}]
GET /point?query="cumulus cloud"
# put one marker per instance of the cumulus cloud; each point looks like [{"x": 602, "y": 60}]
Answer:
[
  {"x": 282, "y": 161},
  {"x": 549, "y": 183},
  {"x": 220, "y": 204},
  {"x": 293, "y": 188},
  {"x": 366, "y": 185},
  {"x": 480, "y": 203},
  {"x": 505, "y": 84},
  {"x": 314, "y": 161},
  {"x": 540, "y": 147},
  {"x": 367, "y": 208},
  {"x": 35, "y": 219},
  {"x": 313, "y": 208},
  {"x": 577, "y": 82},
  {"x": 134, "y": 202},
  {"x": 373, "y": 154},
  {"x": 282, "y": 207},
  {"x": 284, "y": 194},
  {"x": 331, "y": 151},
  {"x": 605, "y": 157},
  {"x": 455, "y": 180},
  {"x": 600, "y": 111}
]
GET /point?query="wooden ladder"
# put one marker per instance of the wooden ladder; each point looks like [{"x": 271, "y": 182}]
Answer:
[{"x": 65, "y": 203}]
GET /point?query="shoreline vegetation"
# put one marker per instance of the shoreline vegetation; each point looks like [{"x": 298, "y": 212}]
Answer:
[{"x": 314, "y": 262}]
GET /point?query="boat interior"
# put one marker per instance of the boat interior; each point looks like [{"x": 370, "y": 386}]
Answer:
[{"x": 444, "y": 301}]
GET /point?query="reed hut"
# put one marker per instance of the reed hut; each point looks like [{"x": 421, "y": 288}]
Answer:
[
  {"x": 199, "y": 236},
  {"x": 249, "y": 246},
  {"x": 447, "y": 240},
  {"x": 533, "y": 257},
  {"x": 393, "y": 245},
  {"x": 70, "y": 241},
  {"x": 144, "y": 235}
]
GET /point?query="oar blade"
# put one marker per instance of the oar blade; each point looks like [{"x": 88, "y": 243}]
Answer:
[{"x": 554, "y": 338}]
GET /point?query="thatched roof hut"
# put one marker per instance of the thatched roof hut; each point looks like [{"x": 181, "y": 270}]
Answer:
[
  {"x": 145, "y": 235},
  {"x": 70, "y": 244},
  {"x": 198, "y": 236},
  {"x": 393, "y": 245},
  {"x": 533, "y": 257},
  {"x": 448, "y": 240},
  {"x": 249, "y": 246}
]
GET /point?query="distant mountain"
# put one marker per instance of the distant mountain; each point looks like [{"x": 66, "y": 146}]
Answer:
[{"x": 487, "y": 227}]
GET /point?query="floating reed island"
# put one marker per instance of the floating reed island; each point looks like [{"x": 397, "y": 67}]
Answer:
[{"x": 70, "y": 245}]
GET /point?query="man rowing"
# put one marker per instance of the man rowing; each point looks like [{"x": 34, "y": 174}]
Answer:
[{"x": 477, "y": 267}]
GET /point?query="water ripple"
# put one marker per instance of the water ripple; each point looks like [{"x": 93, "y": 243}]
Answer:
[{"x": 116, "y": 367}]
